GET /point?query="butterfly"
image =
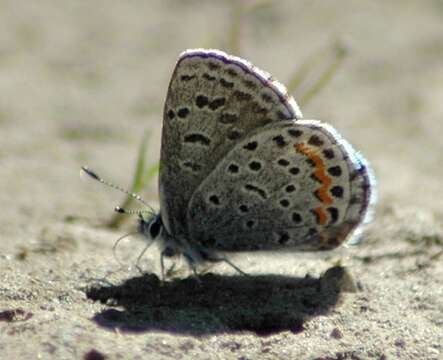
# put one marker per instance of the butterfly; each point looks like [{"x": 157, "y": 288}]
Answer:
[{"x": 240, "y": 170}]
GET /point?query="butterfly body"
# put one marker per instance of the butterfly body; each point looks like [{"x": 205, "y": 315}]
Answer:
[{"x": 241, "y": 171}]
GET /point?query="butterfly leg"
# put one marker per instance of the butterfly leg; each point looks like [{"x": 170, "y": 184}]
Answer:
[
  {"x": 137, "y": 264},
  {"x": 231, "y": 264},
  {"x": 166, "y": 252},
  {"x": 191, "y": 263},
  {"x": 216, "y": 258}
]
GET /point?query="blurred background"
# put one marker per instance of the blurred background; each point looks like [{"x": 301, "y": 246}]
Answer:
[
  {"x": 84, "y": 82},
  {"x": 81, "y": 82}
]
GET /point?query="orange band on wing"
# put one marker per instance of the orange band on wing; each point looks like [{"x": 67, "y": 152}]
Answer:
[
  {"x": 320, "y": 174},
  {"x": 322, "y": 217}
]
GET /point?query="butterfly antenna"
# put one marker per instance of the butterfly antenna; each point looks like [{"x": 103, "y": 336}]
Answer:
[
  {"x": 133, "y": 212},
  {"x": 94, "y": 176},
  {"x": 114, "y": 248}
]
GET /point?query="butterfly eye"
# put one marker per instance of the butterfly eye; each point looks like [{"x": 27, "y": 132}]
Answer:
[{"x": 155, "y": 227}]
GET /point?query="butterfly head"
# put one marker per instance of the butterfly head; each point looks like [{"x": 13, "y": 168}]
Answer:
[
  {"x": 150, "y": 225},
  {"x": 150, "y": 222}
]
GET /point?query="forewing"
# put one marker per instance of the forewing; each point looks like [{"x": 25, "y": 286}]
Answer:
[
  {"x": 213, "y": 102},
  {"x": 291, "y": 184}
]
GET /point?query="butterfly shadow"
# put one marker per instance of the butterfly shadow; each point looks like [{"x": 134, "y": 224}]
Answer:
[{"x": 263, "y": 304}]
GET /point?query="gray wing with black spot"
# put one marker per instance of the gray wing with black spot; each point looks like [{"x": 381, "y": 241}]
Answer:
[
  {"x": 214, "y": 100},
  {"x": 291, "y": 184}
]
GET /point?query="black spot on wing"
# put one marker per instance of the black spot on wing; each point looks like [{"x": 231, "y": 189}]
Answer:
[
  {"x": 283, "y": 162},
  {"x": 214, "y": 199},
  {"x": 251, "y": 146},
  {"x": 257, "y": 190},
  {"x": 335, "y": 170},
  {"x": 315, "y": 140},
  {"x": 234, "y": 135},
  {"x": 187, "y": 77},
  {"x": 197, "y": 138},
  {"x": 279, "y": 141},
  {"x": 232, "y": 72},
  {"x": 295, "y": 133},
  {"x": 201, "y": 101},
  {"x": 328, "y": 153},
  {"x": 283, "y": 238},
  {"x": 333, "y": 213},
  {"x": 183, "y": 112},
  {"x": 243, "y": 208},
  {"x": 337, "y": 191},
  {"x": 250, "y": 84},
  {"x": 255, "y": 165},
  {"x": 217, "y": 103},
  {"x": 170, "y": 114},
  {"x": 296, "y": 218},
  {"x": 209, "y": 77},
  {"x": 233, "y": 168},
  {"x": 213, "y": 65},
  {"x": 285, "y": 203},
  {"x": 250, "y": 224},
  {"x": 227, "y": 84},
  {"x": 294, "y": 170},
  {"x": 290, "y": 188}
]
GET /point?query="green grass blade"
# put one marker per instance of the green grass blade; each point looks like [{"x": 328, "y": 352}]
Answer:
[
  {"x": 235, "y": 27},
  {"x": 339, "y": 53},
  {"x": 300, "y": 75},
  {"x": 138, "y": 183}
]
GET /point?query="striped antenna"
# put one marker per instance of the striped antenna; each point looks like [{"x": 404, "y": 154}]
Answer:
[
  {"x": 94, "y": 176},
  {"x": 132, "y": 212}
]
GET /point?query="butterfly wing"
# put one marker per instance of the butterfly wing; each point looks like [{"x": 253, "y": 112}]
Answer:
[
  {"x": 214, "y": 101},
  {"x": 290, "y": 184}
]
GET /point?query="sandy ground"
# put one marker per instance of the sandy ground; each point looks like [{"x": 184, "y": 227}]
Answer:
[{"x": 80, "y": 82}]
